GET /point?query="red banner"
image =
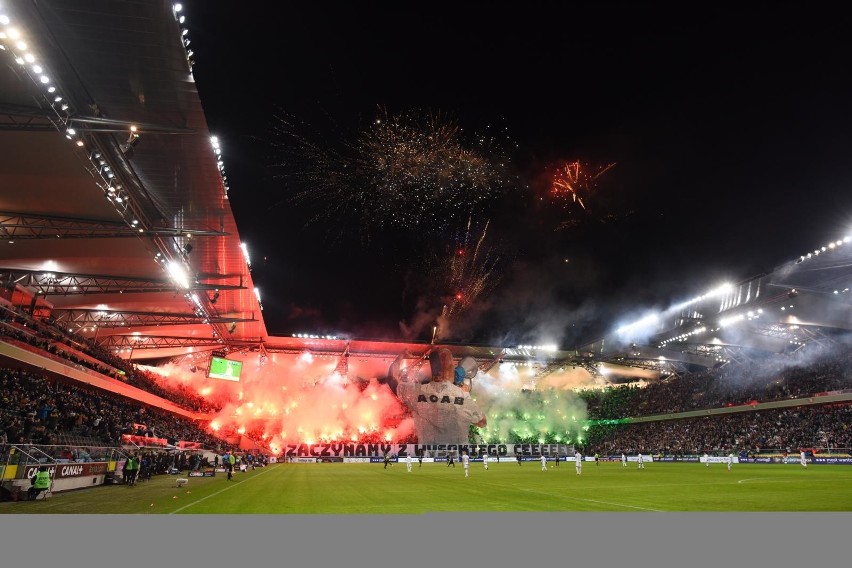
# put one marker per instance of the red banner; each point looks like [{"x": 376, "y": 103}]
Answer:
[{"x": 143, "y": 440}]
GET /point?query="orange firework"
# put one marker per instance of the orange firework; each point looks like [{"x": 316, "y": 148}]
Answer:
[{"x": 575, "y": 181}]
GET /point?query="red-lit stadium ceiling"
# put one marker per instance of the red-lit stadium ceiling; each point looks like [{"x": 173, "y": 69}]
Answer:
[
  {"x": 91, "y": 221},
  {"x": 101, "y": 262}
]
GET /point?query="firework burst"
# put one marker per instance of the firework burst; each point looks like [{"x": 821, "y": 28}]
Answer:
[
  {"x": 576, "y": 182},
  {"x": 412, "y": 171},
  {"x": 464, "y": 273},
  {"x": 574, "y": 187},
  {"x": 470, "y": 270}
]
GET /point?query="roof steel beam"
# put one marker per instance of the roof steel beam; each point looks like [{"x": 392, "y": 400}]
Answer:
[
  {"x": 62, "y": 284},
  {"x": 121, "y": 318},
  {"x": 157, "y": 341},
  {"x": 28, "y": 226}
]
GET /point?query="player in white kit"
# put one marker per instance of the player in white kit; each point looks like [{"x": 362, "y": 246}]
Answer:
[
  {"x": 466, "y": 463},
  {"x": 641, "y": 461},
  {"x": 803, "y": 460},
  {"x": 730, "y": 461},
  {"x": 578, "y": 462},
  {"x": 543, "y": 463},
  {"x": 408, "y": 462},
  {"x": 485, "y": 460},
  {"x": 623, "y": 460}
]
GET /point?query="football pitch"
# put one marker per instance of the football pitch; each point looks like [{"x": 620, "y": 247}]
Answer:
[{"x": 370, "y": 489}]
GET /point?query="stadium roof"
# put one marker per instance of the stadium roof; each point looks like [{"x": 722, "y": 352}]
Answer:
[
  {"x": 115, "y": 201},
  {"x": 115, "y": 211},
  {"x": 803, "y": 303}
]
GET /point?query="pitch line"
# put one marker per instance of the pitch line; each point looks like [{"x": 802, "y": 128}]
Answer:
[
  {"x": 196, "y": 502},
  {"x": 618, "y": 505},
  {"x": 588, "y": 500},
  {"x": 761, "y": 478}
]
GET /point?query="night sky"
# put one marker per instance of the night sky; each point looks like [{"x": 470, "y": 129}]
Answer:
[{"x": 730, "y": 134}]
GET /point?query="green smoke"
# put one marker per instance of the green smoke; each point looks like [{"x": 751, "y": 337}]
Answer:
[{"x": 523, "y": 416}]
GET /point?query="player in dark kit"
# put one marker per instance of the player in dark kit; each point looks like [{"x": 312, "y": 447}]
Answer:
[
  {"x": 518, "y": 457},
  {"x": 420, "y": 459},
  {"x": 451, "y": 460},
  {"x": 387, "y": 459}
]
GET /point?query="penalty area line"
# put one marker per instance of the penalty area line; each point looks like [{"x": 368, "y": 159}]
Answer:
[{"x": 196, "y": 502}]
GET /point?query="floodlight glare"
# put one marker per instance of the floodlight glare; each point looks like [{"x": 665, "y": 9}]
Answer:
[{"x": 178, "y": 274}]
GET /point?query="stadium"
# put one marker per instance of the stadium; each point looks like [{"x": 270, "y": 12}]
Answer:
[{"x": 136, "y": 369}]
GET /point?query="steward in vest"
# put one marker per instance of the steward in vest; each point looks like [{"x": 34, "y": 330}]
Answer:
[
  {"x": 132, "y": 470},
  {"x": 41, "y": 482}
]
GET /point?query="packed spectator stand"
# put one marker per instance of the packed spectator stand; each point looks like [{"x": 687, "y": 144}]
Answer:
[
  {"x": 742, "y": 387},
  {"x": 56, "y": 419},
  {"x": 44, "y": 411},
  {"x": 46, "y": 336}
]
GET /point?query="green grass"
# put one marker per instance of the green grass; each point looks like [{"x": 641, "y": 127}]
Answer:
[{"x": 369, "y": 489}]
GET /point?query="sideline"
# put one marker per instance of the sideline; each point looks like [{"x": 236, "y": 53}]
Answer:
[{"x": 232, "y": 485}]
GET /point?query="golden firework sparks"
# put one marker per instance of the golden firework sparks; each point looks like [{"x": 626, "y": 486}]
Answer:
[{"x": 413, "y": 170}]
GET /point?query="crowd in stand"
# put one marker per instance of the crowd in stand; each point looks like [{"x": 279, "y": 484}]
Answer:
[
  {"x": 822, "y": 426},
  {"x": 54, "y": 340},
  {"x": 770, "y": 380},
  {"x": 37, "y": 409}
]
